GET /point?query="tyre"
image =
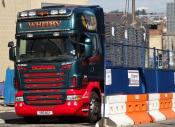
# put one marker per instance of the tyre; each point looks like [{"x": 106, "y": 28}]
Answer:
[
  {"x": 31, "y": 119},
  {"x": 94, "y": 108}
]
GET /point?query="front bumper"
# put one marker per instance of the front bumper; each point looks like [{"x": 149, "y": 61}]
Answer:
[{"x": 69, "y": 108}]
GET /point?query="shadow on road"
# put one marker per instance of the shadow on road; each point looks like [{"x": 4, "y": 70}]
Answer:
[{"x": 11, "y": 118}]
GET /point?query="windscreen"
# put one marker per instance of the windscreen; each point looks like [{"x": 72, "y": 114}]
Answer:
[{"x": 46, "y": 49}]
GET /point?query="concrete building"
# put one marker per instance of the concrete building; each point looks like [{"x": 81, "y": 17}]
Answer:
[
  {"x": 169, "y": 36},
  {"x": 155, "y": 35},
  {"x": 8, "y": 12},
  {"x": 170, "y": 12}
]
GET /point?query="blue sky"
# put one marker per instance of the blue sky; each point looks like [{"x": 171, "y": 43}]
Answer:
[{"x": 153, "y": 5}]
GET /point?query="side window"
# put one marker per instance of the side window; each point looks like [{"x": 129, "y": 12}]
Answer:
[
  {"x": 22, "y": 47},
  {"x": 94, "y": 43}
]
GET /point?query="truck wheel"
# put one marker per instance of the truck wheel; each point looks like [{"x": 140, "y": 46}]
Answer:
[
  {"x": 94, "y": 108},
  {"x": 31, "y": 119}
]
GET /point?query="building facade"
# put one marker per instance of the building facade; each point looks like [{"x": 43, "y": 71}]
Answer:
[
  {"x": 170, "y": 13},
  {"x": 8, "y": 13},
  {"x": 169, "y": 37}
]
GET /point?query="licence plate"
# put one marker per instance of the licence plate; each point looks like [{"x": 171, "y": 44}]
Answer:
[{"x": 44, "y": 113}]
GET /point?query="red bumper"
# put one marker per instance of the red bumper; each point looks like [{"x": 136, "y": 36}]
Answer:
[
  {"x": 75, "y": 108},
  {"x": 68, "y": 109}
]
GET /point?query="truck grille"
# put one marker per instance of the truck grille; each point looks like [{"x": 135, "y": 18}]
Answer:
[
  {"x": 44, "y": 97},
  {"x": 44, "y": 88},
  {"x": 44, "y": 80}
]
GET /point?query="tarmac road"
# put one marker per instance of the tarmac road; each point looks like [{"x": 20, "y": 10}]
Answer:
[{"x": 11, "y": 120}]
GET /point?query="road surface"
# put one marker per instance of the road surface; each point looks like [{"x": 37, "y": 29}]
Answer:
[{"x": 11, "y": 120}]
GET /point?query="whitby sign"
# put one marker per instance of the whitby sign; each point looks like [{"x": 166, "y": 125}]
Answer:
[
  {"x": 39, "y": 26},
  {"x": 44, "y": 24}
]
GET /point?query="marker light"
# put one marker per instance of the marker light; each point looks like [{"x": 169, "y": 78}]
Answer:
[
  {"x": 23, "y": 14},
  {"x": 62, "y": 11},
  {"x": 32, "y": 13},
  {"x": 54, "y": 12}
]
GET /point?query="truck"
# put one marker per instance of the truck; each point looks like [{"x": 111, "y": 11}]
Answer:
[{"x": 59, "y": 62}]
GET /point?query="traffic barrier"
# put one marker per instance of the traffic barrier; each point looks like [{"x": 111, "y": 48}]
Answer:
[
  {"x": 115, "y": 109},
  {"x": 137, "y": 108},
  {"x": 166, "y": 105},
  {"x": 153, "y": 109},
  {"x": 9, "y": 90},
  {"x": 173, "y": 102}
]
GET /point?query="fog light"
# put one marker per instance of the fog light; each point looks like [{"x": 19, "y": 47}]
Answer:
[{"x": 73, "y": 97}]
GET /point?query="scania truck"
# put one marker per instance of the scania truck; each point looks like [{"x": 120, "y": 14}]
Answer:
[{"x": 59, "y": 62}]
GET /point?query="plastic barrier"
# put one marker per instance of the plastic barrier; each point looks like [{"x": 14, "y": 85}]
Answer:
[
  {"x": 166, "y": 105},
  {"x": 173, "y": 102},
  {"x": 9, "y": 90},
  {"x": 153, "y": 109},
  {"x": 137, "y": 108},
  {"x": 115, "y": 109}
]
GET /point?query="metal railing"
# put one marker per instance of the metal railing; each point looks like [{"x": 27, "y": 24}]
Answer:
[{"x": 124, "y": 55}]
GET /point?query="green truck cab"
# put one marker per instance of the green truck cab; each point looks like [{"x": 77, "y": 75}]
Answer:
[{"x": 59, "y": 62}]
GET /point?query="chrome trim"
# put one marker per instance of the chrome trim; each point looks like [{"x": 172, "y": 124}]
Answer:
[{"x": 35, "y": 31}]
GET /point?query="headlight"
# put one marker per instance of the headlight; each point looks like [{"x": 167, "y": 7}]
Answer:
[
  {"x": 73, "y": 97},
  {"x": 19, "y": 99}
]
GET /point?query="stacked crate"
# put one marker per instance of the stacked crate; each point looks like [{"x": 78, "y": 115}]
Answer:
[
  {"x": 131, "y": 41},
  {"x": 121, "y": 51},
  {"x": 135, "y": 41},
  {"x": 114, "y": 39},
  {"x": 119, "y": 38}
]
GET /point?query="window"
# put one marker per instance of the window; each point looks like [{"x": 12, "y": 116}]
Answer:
[{"x": 94, "y": 43}]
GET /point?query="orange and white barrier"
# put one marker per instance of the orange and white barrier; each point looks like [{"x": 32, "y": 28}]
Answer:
[
  {"x": 137, "y": 108},
  {"x": 166, "y": 105},
  {"x": 115, "y": 109},
  {"x": 173, "y": 102},
  {"x": 154, "y": 106},
  {"x": 125, "y": 110}
]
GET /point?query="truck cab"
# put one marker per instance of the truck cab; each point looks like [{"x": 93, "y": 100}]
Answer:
[{"x": 59, "y": 61}]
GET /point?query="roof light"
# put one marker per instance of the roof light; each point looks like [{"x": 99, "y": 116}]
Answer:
[
  {"x": 54, "y": 12},
  {"x": 62, "y": 11},
  {"x": 23, "y": 14},
  {"x": 32, "y": 13},
  {"x": 55, "y": 34},
  {"x": 29, "y": 35}
]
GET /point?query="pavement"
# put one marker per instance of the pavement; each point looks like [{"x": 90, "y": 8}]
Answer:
[{"x": 4, "y": 108}]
